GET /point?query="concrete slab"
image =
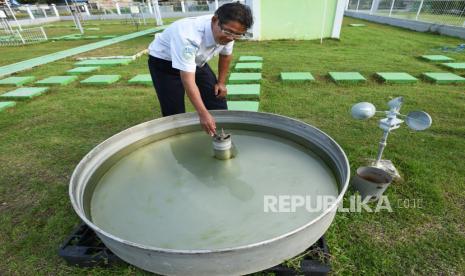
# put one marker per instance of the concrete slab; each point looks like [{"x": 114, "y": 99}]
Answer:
[
  {"x": 443, "y": 78},
  {"x": 83, "y": 70},
  {"x": 248, "y": 66},
  {"x": 144, "y": 79},
  {"x": 24, "y": 93},
  {"x": 243, "y": 106},
  {"x": 5, "y": 105},
  {"x": 90, "y": 37},
  {"x": 396, "y": 77},
  {"x": 243, "y": 91},
  {"x": 18, "y": 81},
  {"x": 101, "y": 79},
  {"x": 71, "y": 38},
  {"x": 436, "y": 58},
  {"x": 104, "y": 62},
  {"x": 455, "y": 65},
  {"x": 346, "y": 77},
  {"x": 57, "y": 80},
  {"x": 296, "y": 77},
  {"x": 64, "y": 37},
  {"x": 250, "y": 59},
  {"x": 357, "y": 25},
  {"x": 237, "y": 78}
]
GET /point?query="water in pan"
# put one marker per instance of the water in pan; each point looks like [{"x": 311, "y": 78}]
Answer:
[{"x": 174, "y": 194}]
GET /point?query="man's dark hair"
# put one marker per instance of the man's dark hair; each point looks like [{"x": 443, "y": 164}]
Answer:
[{"x": 235, "y": 12}]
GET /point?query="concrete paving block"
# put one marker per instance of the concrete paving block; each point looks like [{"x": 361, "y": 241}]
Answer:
[
  {"x": 5, "y": 105},
  {"x": 347, "y": 77},
  {"x": 237, "y": 78},
  {"x": 91, "y": 37},
  {"x": 104, "y": 62},
  {"x": 248, "y": 66},
  {"x": 57, "y": 80},
  {"x": 243, "y": 105},
  {"x": 443, "y": 78},
  {"x": 436, "y": 58},
  {"x": 296, "y": 77},
  {"x": 83, "y": 70},
  {"x": 454, "y": 65},
  {"x": 250, "y": 59},
  {"x": 18, "y": 81},
  {"x": 243, "y": 91},
  {"x": 24, "y": 93},
  {"x": 396, "y": 77},
  {"x": 101, "y": 79},
  {"x": 144, "y": 79}
]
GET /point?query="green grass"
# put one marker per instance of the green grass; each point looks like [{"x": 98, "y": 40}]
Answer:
[{"x": 42, "y": 140}]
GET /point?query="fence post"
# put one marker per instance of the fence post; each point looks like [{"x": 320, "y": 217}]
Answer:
[
  {"x": 419, "y": 10},
  {"x": 43, "y": 33},
  {"x": 86, "y": 8},
  {"x": 156, "y": 8},
  {"x": 54, "y": 8},
  {"x": 21, "y": 37},
  {"x": 14, "y": 16},
  {"x": 29, "y": 12},
  {"x": 183, "y": 7},
  {"x": 392, "y": 6},
  {"x": 374, "y": 6},
  {"x": 347, "y": 4},
  {"x": 44, "y": 12},
  {"x": 150, "y": 6},
  {"x": 216, "y": 5},
  {"x": 358, "y": 4},
  {"x": 118, "y": 10}
]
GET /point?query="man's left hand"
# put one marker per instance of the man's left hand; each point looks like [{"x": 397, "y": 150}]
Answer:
[{"x": 220, "y": 90}]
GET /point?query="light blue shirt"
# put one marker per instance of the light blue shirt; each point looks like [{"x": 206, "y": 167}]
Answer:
[{"x": 188, "y": 43}]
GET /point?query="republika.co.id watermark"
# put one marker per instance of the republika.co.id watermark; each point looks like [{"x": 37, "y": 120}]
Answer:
[{"x": 355, "y": 204}]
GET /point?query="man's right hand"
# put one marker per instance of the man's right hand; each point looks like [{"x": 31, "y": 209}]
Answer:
[
  {"x": 208, "y": 123},
  {"x": 206, "y": 119}
]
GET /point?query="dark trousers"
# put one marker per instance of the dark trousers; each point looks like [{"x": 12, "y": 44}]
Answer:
[{"x": 170, "y": 90}]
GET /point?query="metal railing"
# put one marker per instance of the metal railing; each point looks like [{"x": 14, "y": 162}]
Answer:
[{"x": 441, "y": 12}]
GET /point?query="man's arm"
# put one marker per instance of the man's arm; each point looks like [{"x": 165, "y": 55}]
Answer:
[
  {"x": 206, "y": 119},
  {"x": 223, "y": 68}
]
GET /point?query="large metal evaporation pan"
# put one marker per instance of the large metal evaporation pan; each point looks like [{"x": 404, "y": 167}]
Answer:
[{"x": 230, "y": 261}]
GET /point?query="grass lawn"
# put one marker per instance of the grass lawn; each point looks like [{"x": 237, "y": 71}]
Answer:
[{"x": 41, "y": 141}]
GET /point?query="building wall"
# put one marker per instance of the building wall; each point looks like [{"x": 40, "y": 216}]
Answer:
[{"x": 296, "y": 19}]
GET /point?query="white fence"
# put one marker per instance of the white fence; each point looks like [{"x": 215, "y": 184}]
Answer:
[
  {"x": 116, "y": 8},
  {"x": 21, "y": 37},
  {"x": 441, "y": 12}
]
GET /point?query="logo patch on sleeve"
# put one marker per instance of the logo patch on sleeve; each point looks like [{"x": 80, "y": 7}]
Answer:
[{"x": 189, "y": 52}]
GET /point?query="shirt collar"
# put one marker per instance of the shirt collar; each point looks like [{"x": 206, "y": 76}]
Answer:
[{"x": 209, "y": 39}]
